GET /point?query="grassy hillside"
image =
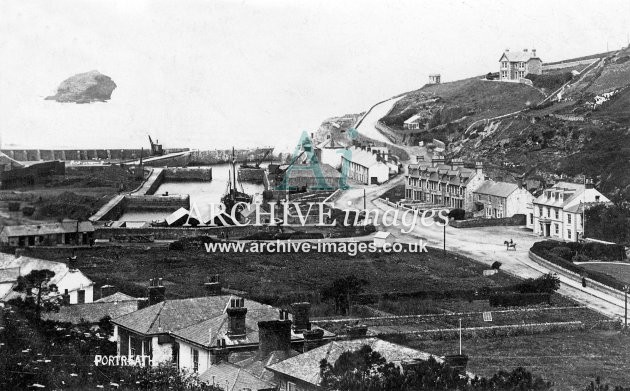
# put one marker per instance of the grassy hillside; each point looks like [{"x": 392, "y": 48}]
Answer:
[{"x": 470, "y": 98}]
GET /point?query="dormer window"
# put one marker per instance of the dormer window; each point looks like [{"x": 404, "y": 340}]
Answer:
[{"x": 596, "y": 198}]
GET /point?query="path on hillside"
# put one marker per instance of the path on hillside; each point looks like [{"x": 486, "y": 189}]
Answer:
[
  {"x": 484, "y": 245},
  {"x": 366, "y": 125}
]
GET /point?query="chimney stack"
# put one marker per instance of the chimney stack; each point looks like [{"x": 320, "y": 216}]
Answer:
[
  {"x": 220, "y": 353},
  {"x": 143, "y": 302},
  {"x": 437, "y": 160},
  {"x": 72, "y": 263},
  {"x": 589, "y": 184},
  {"x": 301, "y": 316},
  {"x": 236, "y": 318},
  {"x": 479, "y": 168},
  {"x": 213, "y": 286},
  {"x": 107, "y": 290},
  {"x": 156, "y": 291},
  {"x": 274, "y": 335},
  {"x": 533, "y": 52}
]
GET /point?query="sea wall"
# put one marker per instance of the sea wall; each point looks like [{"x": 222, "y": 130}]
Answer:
[{"x": 28, "y": 155}]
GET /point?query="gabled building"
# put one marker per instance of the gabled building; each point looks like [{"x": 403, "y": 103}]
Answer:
[
  {"x": 67, "y": 232},
  {"x": 301, "y": 373},
  {"x": 515, "y": 65},
  {"x": 448, "y": 185},
  {"x": 365, "y": 165},
  {"x": 69, "y": 280},
  {"x": 200, "y": 332},
  {"x": 558, "y": 211},
  {"x": 501, "y": 199}
]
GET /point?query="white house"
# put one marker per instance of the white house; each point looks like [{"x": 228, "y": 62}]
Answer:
[
  {"x": 199, "y": 332},
  {"x": 501, "y": 199},
  {"x": 365, "y": 165},
  {"x": 69, "y": 280},
  {"x": 557, "y": 213},
  {"x": 413, "y": 122}
]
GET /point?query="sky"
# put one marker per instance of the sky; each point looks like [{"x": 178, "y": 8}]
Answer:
[{"x": 212, "y": 74}]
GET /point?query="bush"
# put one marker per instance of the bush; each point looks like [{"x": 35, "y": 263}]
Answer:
[
  {"x": 457, "y": 214},
  {"x": 496, "y": 265},
  {"x": 562, "y": 252}
]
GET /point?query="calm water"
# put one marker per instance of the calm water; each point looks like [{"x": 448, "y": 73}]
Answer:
[{"x": 201, "y": 193}]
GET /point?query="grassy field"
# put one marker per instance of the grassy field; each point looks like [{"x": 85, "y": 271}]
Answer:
[
  {"x": 620, "y": 272},
  {"x": 286, "y": 276},
  {"x": 570, "y": 360}
]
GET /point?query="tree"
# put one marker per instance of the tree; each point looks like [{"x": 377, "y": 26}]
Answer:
[
  {"x": 341, "y": 289},
  {"x": 38, "y": 281},
  {"x": 548, "y": 283}
]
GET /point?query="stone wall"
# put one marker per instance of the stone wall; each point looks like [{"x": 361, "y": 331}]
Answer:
[{"x": 518, "y": 219}]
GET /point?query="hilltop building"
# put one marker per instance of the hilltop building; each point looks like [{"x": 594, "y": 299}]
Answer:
[
  {"x": 515, "y": 65},
  {"x": 557, "y": 212},
  {"x": 435, "y": 78},
  {"x": 450, "y": 185},
  {"x": 501, "y": 199}
]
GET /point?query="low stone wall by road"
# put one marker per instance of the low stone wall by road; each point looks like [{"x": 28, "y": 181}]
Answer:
[{"x": 505, "y": 221}]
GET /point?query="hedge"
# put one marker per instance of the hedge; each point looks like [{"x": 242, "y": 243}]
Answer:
[
  {"x": 544, "y": 250},
  {"x": 519, "y": 299}
]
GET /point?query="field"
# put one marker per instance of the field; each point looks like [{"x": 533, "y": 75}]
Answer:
[
  {"x": 571, "y": 360},
  {"x": 618, "y": 271},
  {"x": 277, "y": 278}
]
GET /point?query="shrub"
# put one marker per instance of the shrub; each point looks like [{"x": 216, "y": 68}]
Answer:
[
  {"x": 496, "y": 265},
  {"x": 457, "y": 214},
  {"x": 562, "y": 252},
  {"x": 519, "y": 299}
]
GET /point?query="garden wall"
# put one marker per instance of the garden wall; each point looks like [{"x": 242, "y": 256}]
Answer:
[{"x": 518, "y": 219}]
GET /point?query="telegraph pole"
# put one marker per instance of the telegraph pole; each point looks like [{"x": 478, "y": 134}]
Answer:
[
  {"x": 626, "y": 288},
  {"x": 364, "y": 201}
]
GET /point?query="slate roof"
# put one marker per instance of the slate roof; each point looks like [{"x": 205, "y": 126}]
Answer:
[
  {"x": 445, "y": 173},
  {"x": 47, "y": 229},
  {"x": 233, "y": 378},
  {"x": 363, "y": 158},
  {"x": 257, "y": 365},
  {"x": 118, "y": 296},
  {"x": 200, "y": 320},
  {"x": 9, "y": 274},
  {"x": 497, "y": 189},
  {"x": 304, "y": 171},
  {"x": 571, "y": 190},
  {"x": 518, "y": 56},
  {"x": 91, "y": 312},
  {"x": 305, "y": 367}
]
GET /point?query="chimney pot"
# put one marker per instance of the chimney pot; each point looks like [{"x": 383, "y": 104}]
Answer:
[
  {"x": 274, "y": 335},
  {"x": 301, "y": 316}
]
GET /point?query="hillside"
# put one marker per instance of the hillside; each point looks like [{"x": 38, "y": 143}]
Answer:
[
  {"x": 447, "y": 109},
  {"x": 584, "y": 130}
]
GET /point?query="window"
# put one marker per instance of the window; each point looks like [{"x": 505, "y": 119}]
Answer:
[
  {"x": 291, "y": 386},
  {"x": 569, "y": 233},
  {"x": 80, "y": 296},
  {"x": 531, "y": 218},
  {"x": 569, "y": 218},
  {"x": 596, "y": 198},
  {"x": 557, "y": 228},
  {"x": 540, "y": 212},
  {"x": 195, "y": 359},
  {"x": 557, "y": 214},
  {"x": 548, "y": 212}
]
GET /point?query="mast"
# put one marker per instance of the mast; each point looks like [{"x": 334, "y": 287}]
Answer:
[{"x": 233, "y": 174}]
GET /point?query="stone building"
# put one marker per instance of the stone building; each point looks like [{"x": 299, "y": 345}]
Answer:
[
  {"x": 448, "y": 185},
  {"x": 515, "y": 65},
  {"x": 501, "y": 199}
]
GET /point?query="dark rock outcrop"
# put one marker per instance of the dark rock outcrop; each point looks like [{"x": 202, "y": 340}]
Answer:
[{"x": 86, "y": 87}]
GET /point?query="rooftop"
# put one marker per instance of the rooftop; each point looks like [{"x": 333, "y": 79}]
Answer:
[
  {"x": 233, "y": 378},
  {"x": 91, "y": 312},
  {"x": 497, "y": 189},
  {"x": 48, "y": 229},
  {"x": 305, "y": 367}
]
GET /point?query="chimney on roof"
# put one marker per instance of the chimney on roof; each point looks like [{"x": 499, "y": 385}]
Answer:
[
  {"x": 533, "y": 52},
  {"x": 220, "y": 353},
  {"x": 274, "y": 335},
  {"x": 507, "y": 50},
  {"x": 72, "y": 263},
  {"x": 107, "y": 290},
  {"x": 142, "y": 302},
  {"x": 588, "y": 184},
  {"x": 301, "y": 316},
  {"x": 519, "y": 182},
  {"x": 419, "y": 159},
  {"x": 438, "y": 159},
  {"x": 156, "y": 291},
  {"x": 236, "y": 317},
  {"x": 213, "y": 286},
  {"x": 525, "y": 50},
  {"x": 479, "y": 168}
]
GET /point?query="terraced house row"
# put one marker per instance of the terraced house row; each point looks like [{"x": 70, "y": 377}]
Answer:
[{"x": 557, "y": 212}]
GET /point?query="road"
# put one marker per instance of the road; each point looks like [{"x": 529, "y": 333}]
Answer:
[
  {"x": 367, "y": 123},
  {"x": 484, "y": 245}
]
